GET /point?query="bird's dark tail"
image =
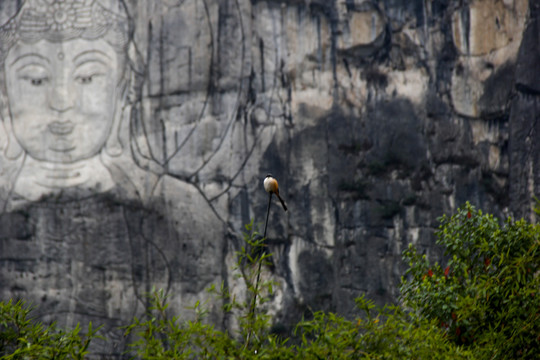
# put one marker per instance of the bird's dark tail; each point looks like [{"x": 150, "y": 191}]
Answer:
[{"x": 282, "y": 202}]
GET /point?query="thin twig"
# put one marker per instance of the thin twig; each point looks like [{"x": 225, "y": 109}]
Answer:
[
  {"x": 256, "y": 290},
  {"x": 267, "y": 213}
]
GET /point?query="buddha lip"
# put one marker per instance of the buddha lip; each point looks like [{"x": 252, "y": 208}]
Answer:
[{"x": 61, "y": 127}]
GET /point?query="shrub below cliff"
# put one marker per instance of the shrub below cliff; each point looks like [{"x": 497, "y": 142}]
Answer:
[
  {"x": 486, "y": 295},
  {"x": 23, "y": 338},
  {"x": 483, "y": 303}
]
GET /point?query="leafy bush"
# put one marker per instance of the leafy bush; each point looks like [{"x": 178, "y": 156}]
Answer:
[
  {"x": 383, "y": 333},
  {"x": 163, "y": 337},
  {"x": 483, "y": 303},
  {"x": 23, "y": 338},
  {"x": 486, "y": 295},
  {"x": 387, "y": 333},
  {"x": 380, "y": 333}
]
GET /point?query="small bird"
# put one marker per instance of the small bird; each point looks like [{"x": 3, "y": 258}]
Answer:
[{"x": 271, "y": 187}]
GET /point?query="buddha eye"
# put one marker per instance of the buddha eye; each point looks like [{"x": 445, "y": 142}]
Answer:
[
  {"x": 34, "y": 75},
  {"x": 37, "y": 81},
  {"x": 89, "y": 79},
  {"x": 85, "y": 80}
]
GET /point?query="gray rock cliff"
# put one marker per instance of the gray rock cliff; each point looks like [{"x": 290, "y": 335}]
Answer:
[{"x": 376, "y": 117}]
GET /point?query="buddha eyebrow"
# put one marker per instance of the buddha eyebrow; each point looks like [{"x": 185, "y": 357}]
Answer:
[
  {"x": 29, "y": 55},
  {"x": 91, "y": 61},
  {"x": 91, "y": 52}
]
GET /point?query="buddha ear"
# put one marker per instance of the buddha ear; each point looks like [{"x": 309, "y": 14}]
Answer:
[
  {"x": 13, "y": 149},
  {"x": 122, "y": 112},
  {"x": 127, "y": 95},
  {"x": 11, "y": 146}
]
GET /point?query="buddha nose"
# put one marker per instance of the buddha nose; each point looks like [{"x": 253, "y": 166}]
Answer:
[{"x": 61, "y": 97}]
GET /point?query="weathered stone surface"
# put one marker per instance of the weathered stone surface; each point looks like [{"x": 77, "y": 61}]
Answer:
[
  {"x": 524, "y": 145},
  {"x": 486, "y": 35},
  {"x": 140, "y": 171}
]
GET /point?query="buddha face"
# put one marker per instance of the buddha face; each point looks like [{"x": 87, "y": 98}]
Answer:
[{"x": 62, "y": 97}]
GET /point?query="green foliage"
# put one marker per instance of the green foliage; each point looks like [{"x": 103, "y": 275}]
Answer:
[
  {"x": 23, "y": 338},
  {"x": 486, "y": 295},
  {"x": 379, "y": 333},
  {"x": 384, "y": 333},
  {"x": 163, "y": 337},
  {"x": 483, "y": 303}
]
